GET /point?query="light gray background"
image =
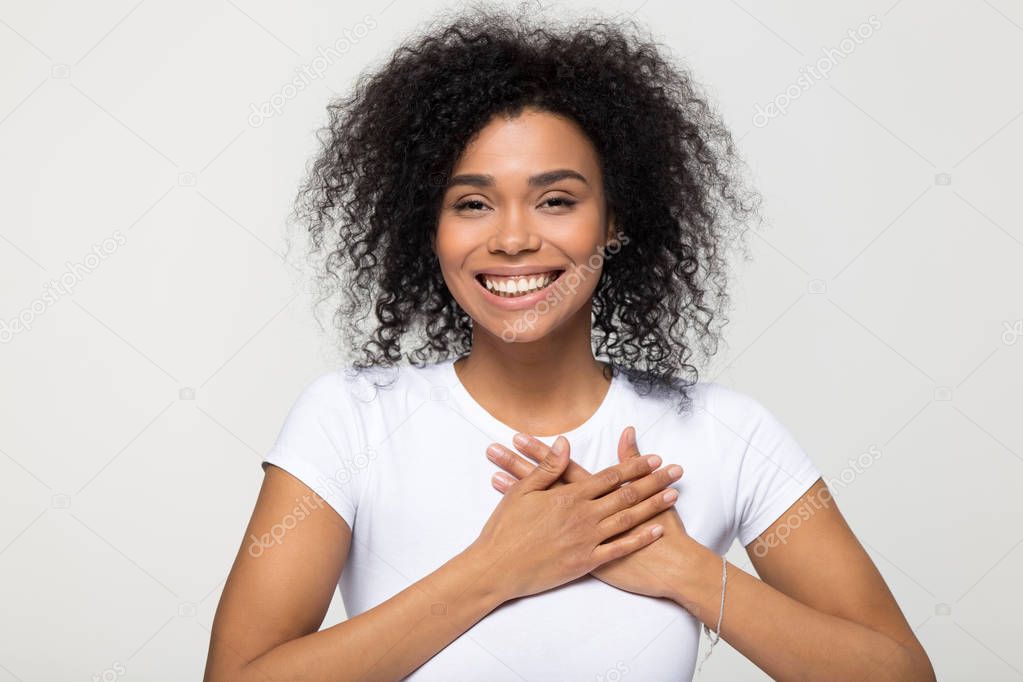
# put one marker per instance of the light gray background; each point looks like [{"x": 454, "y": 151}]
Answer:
[{"x": 881, "y": 313}]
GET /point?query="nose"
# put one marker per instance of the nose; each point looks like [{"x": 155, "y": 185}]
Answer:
[{"x": 514, "y": 233}]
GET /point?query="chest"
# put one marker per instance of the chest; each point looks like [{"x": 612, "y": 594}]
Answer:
[
  {"x": 428, "y": 492},
  {"x": 426, "y": 497}
]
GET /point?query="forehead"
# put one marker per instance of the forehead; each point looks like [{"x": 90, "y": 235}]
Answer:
[{"x": 514, "y": 148}]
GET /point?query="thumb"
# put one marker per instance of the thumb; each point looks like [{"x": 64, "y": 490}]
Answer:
[
  {"x": 550, "y": 468},
  {"x": 627, "y": 446},
  {"x": 561, "y": 446}
]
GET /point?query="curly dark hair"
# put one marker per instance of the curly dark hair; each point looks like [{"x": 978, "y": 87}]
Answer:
[{"x": 373, "y": 194}]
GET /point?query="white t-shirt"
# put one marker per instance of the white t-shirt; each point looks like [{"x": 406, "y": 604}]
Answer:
[{"x": 405, "y": 465}]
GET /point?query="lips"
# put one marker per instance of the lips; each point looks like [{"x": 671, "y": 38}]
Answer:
[
  {"x": 518, "y": 270},
  {"x": 520, "y": 286}
]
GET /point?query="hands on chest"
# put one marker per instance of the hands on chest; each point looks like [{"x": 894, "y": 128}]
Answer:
[{"x": 557, "y": 521}]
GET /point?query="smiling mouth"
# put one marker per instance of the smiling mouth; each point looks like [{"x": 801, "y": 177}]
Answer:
[{"x": 516, "y": 287}]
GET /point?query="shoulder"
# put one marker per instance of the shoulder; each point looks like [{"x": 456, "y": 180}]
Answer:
[
  {"x": 729, "y": 408},
  {"x": 746, "y": 431},
  {"x": 368, "y": 396},
  {"x": 757, "y": 438},
  {"x": 735, "y": 409},
  {"x": 771, "y": 468},
  {"x": 349, "y": 387},
  {"x": 726, "y": 406}
]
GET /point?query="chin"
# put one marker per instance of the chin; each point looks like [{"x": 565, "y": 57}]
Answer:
[{"x": 521, "y": 326}]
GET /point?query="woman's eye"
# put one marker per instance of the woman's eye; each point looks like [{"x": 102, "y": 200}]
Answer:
[
  {"x": 562, "y": 201},
  {"x": 472, "y": 204}
]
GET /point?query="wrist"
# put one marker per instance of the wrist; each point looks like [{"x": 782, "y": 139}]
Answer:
[
  {"x": 698, "y": 578},
  {"x": 482, "y": 576}
]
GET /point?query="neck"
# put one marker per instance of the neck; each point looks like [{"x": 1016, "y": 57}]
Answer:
[{"x": 543, "y": 387}]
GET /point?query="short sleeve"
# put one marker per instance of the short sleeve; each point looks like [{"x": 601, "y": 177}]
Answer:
[
  {"x": 773, "y": 473},
  {"x": 316, "y": 444}
]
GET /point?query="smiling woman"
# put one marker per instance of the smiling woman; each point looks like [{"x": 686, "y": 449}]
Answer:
[
  {"x": 498, "y": 228},
  {"x": 544, "y": 211}
]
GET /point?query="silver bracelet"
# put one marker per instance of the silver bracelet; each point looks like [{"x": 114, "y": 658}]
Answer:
[{"x": 717, "y": 633}]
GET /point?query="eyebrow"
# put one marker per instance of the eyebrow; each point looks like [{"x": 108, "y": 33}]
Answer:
[{"x": 539, "y": 180}]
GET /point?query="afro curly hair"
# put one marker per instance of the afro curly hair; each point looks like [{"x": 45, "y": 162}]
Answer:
[{"x": 372, "y": 195}]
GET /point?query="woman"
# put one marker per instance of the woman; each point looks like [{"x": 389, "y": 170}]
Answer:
[{"x": 519, "y": 198}]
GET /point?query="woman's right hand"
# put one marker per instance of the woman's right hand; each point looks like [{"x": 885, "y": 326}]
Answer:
[{"x": 538, "y": 538}]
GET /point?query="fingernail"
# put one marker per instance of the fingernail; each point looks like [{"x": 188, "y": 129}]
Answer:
[
  {"x": 493, "y": 452},
  {"x": 670, "y": 496},
  {"x": 654, "y": 461},
  {"x": 632, "y": 436},
  {"x": 675, "y": 471},
  {"x": 656, "y": 531},
  {"x": 520, "y": 440},
  {"x": 559, "y": 444}
]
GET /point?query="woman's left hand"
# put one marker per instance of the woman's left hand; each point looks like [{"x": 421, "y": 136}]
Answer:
[{"x": 649, "y": 571}]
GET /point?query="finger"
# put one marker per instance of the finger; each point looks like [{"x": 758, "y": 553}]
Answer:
[
  {"x": 637, "y": 538},
  {"x": 509, "y": 461},
  {"x": 627, "y": 446},
  {"x": 536, "y": 449},
  {"x": 646, "y": 508},
  {"x": 515, "y": 466},
  {"x": 549, "y": 470},
  {"x": 502, "y": 482},
  {"x": 606, "y": 480},
  {"x": 635, "y": 492}
]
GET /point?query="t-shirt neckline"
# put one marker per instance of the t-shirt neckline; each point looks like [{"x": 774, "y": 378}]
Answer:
[{"x": 482, "y": 418}]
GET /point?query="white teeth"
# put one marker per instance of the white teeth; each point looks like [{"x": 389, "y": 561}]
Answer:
[{"x": 519, "y": 285}]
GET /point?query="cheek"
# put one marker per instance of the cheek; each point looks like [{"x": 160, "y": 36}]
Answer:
[
  {"x": 588, "y": 257},
  {"x": 582, "y": 241},
  {"x": 451, "y": 250},
  {"x": 454, "y": 237}
]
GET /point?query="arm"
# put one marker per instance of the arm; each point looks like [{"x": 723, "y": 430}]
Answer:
[
  {"x": 822, "y": 610},
  {"x": 274, "y": 602}
]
